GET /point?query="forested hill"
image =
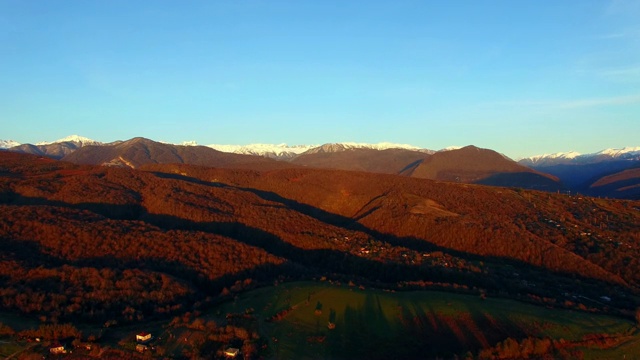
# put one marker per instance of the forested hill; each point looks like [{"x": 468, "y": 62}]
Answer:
[{"x": 103, "y": 242}]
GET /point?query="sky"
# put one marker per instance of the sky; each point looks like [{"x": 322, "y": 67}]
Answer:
[{"x": 520, "y": 77}]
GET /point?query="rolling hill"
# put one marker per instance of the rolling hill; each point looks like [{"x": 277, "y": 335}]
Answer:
[
  {"x": 474, "y": 165},
  {"x": 388, "y": 161}
]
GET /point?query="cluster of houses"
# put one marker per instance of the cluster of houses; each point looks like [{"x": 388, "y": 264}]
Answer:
[
  {"x": 144, "y": 339},
  {"x": 143, "y": 343},
  {"x": 58, "y": 348}
]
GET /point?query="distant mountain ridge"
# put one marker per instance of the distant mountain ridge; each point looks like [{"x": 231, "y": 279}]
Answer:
[
  {"x": 572, "y": 157},
  {"x": 286, "y": 152},
  {"x": 139, "y": 151},
  {"x": 278, "y": 152},
  {"x": 608, "y": 173},
  {"x": 55, "y": 149},
  {"x": 81, "y": 140},
  {"x": 604, "y": 173}
]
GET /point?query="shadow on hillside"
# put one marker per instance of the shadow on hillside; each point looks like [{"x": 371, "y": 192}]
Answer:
[
  {"x": 307, "y": 262},
  {"x": 413, "y": 243},
  {"x": 320, "y": 215},
  {"x": 342, "y": 264},
  {"x": 524, "y": 180}
]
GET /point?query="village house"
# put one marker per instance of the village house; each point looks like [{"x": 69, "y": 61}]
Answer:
[
  {"x": 141, "y": 348},
  {"x": 231, "y": 352},
  {"x": 57, "y": 348},
  {"x": 143, "y": 337}
]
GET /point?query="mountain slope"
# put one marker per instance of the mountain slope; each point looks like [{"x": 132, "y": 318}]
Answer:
[
  {"x": 420, "y": 214},
  {"x": 624, "y": 184},
  {"x": 338, "y": 147},
  {"x": 480, "y": 166},
  {"x": 389, "y": 161}
]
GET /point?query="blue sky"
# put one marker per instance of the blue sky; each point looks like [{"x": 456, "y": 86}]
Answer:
[{"x": 519, "y": 77}]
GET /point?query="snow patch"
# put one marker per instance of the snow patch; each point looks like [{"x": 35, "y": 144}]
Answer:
[
  {"x": 72, "y": 138},
  {"x": 5, "y": 144},
  {"x": 450, "y": 148}
]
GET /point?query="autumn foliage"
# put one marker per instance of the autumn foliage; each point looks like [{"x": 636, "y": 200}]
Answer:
[{"x": 107, "y": 243}]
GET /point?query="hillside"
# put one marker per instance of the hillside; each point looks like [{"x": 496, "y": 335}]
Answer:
[
  {"x": 624, "y": 184},
  {"x": 481, "y": 166},
  {"x": 388, "y": 161}
]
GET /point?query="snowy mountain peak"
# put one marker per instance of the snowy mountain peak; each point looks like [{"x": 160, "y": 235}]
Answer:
[
  {"x": 450, "y": 148},
  {"x": 572, "y": 157},
  {"x": 336, "y": 147},
  {"x": 559, "y": 155},
  {"x": 284, "y": 151},
  {"x": 620, "y": 152},
  {"x": 5, "y": 144},
  {"x": 379, "y": 146},
  {"x": 72, "y": 138},
  {"x": 274, "y": 151}
]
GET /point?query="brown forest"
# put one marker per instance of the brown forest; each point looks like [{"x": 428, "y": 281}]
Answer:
[{"x": 106, "y": 243}]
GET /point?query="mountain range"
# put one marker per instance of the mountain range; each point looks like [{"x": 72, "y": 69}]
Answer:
[{"x": 610, "y": 173}]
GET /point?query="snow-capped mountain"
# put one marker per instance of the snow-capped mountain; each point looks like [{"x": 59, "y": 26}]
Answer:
[
  {"x": 80, "y": 140},
  {"x": 572, "y": 157},
  {"x": 56, "y": 149},
  {"x": 449, "y": 148},
  {"x": 337, "y": 147},
  {"x": 274, "y": 151},
  {"x": 5, "y": 144},
  {"x": 624, "y": 153}
]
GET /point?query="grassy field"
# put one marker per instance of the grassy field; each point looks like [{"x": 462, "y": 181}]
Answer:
[{"x": 379, "y": 324}]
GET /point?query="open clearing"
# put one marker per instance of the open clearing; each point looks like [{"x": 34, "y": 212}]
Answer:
[{"x": 380, "y": 324}]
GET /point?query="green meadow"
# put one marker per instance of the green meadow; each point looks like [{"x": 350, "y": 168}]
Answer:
[{"x": 370, "y": 323}]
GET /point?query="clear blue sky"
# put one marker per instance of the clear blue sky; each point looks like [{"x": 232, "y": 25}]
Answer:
[{"x": 520, "y": 77}]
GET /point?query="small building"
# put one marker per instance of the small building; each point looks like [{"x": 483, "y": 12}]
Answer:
[
  {"x": 57, "y": 348},
  {"x": 143, "y": 337},
  {"x": 141, "y": 348},
  {"x": 231, "y": 352}
]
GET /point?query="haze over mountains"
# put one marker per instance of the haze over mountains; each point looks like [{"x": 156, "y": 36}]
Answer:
[{"x": 610, "y": 172}]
